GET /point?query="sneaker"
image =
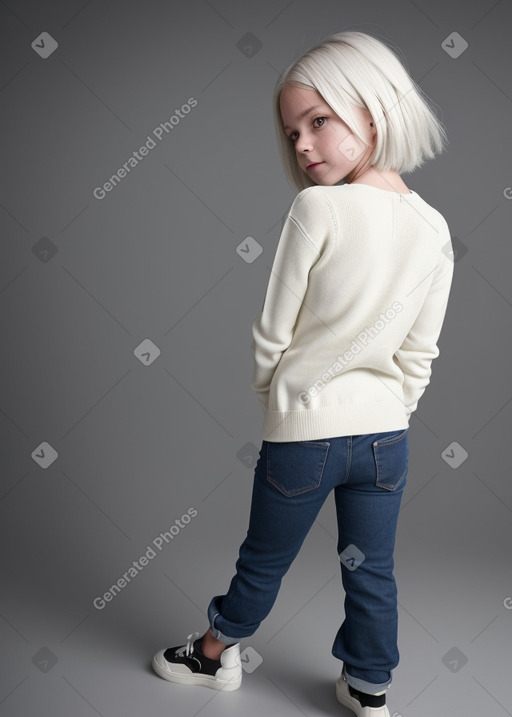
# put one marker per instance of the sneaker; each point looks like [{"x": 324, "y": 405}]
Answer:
[
  {"x": 362, "y": 704},
  {"x": 187, "y": 665}
]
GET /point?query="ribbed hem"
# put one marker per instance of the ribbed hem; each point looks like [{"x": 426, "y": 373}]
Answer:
[{"x": 355, "y": 419}]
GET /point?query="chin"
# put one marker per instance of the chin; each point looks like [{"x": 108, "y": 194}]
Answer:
[{"x": 329, "y": 180}]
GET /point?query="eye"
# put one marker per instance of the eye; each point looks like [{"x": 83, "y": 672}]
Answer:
[{"x": 290, "y": 136}]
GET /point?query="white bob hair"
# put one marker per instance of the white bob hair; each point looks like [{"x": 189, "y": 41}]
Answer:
[{"x": 355, "y": 69}]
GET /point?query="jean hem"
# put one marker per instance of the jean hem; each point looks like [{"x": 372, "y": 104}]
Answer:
[
  {"x": 370, "y": 688},
  {"x": 220, "y": 635}
]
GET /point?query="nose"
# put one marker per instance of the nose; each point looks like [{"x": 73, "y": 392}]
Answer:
[{"x": 303, "y": 144}]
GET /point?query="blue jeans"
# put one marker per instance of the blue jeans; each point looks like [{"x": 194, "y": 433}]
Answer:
[{"x": 291, "y": 482}]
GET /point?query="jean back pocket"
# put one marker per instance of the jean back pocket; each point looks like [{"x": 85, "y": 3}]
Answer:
[
  {"x": 295, "y": 467},
  {"x": 391, "y": 455}
]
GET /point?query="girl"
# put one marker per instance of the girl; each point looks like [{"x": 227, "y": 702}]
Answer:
[{"x": 342, "y": 354}]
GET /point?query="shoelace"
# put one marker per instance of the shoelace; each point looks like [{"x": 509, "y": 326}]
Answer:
[{"x": 188, "y": 648}]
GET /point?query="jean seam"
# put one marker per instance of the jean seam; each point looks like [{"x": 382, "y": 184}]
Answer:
[{"x": 348, "y": 464}]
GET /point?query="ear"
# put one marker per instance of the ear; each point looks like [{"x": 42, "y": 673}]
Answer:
[
  {"x": 367, "y": 116},
  {"x": 371, "y": 125}
]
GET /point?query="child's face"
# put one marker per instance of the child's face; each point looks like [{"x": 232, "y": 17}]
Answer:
[{"x": 327, "y": 141}]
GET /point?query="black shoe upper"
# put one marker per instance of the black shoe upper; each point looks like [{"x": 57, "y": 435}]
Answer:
[
  {"x": 364, "y": 698},
  {"x": 367, "y": 700},
  {"x": 196, "y": 661}
]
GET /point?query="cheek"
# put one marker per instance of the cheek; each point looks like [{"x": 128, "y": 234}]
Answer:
[
  {"x": 349, "y": 147},
  {"x": 336, "y": 136}
]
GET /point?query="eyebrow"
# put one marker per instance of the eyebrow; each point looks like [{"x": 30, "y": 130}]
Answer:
[{"x": 306, "y": 112}]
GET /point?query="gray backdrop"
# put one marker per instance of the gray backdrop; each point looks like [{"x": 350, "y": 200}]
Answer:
[{"x": 126, "y": 316}]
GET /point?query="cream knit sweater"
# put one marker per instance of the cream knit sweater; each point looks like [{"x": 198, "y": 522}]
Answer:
[{"x": 352, "y": 314}]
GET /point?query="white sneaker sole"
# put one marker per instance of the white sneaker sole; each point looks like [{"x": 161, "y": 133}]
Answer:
[{"x": 195, "y": 679}]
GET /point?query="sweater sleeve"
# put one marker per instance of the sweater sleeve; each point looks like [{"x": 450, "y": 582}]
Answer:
[
  {"x": 420, "y": 348},
  {"x": 305, "y": 233}
]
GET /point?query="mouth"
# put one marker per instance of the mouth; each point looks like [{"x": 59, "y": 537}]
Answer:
[{"x": 312, "y": 165}]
